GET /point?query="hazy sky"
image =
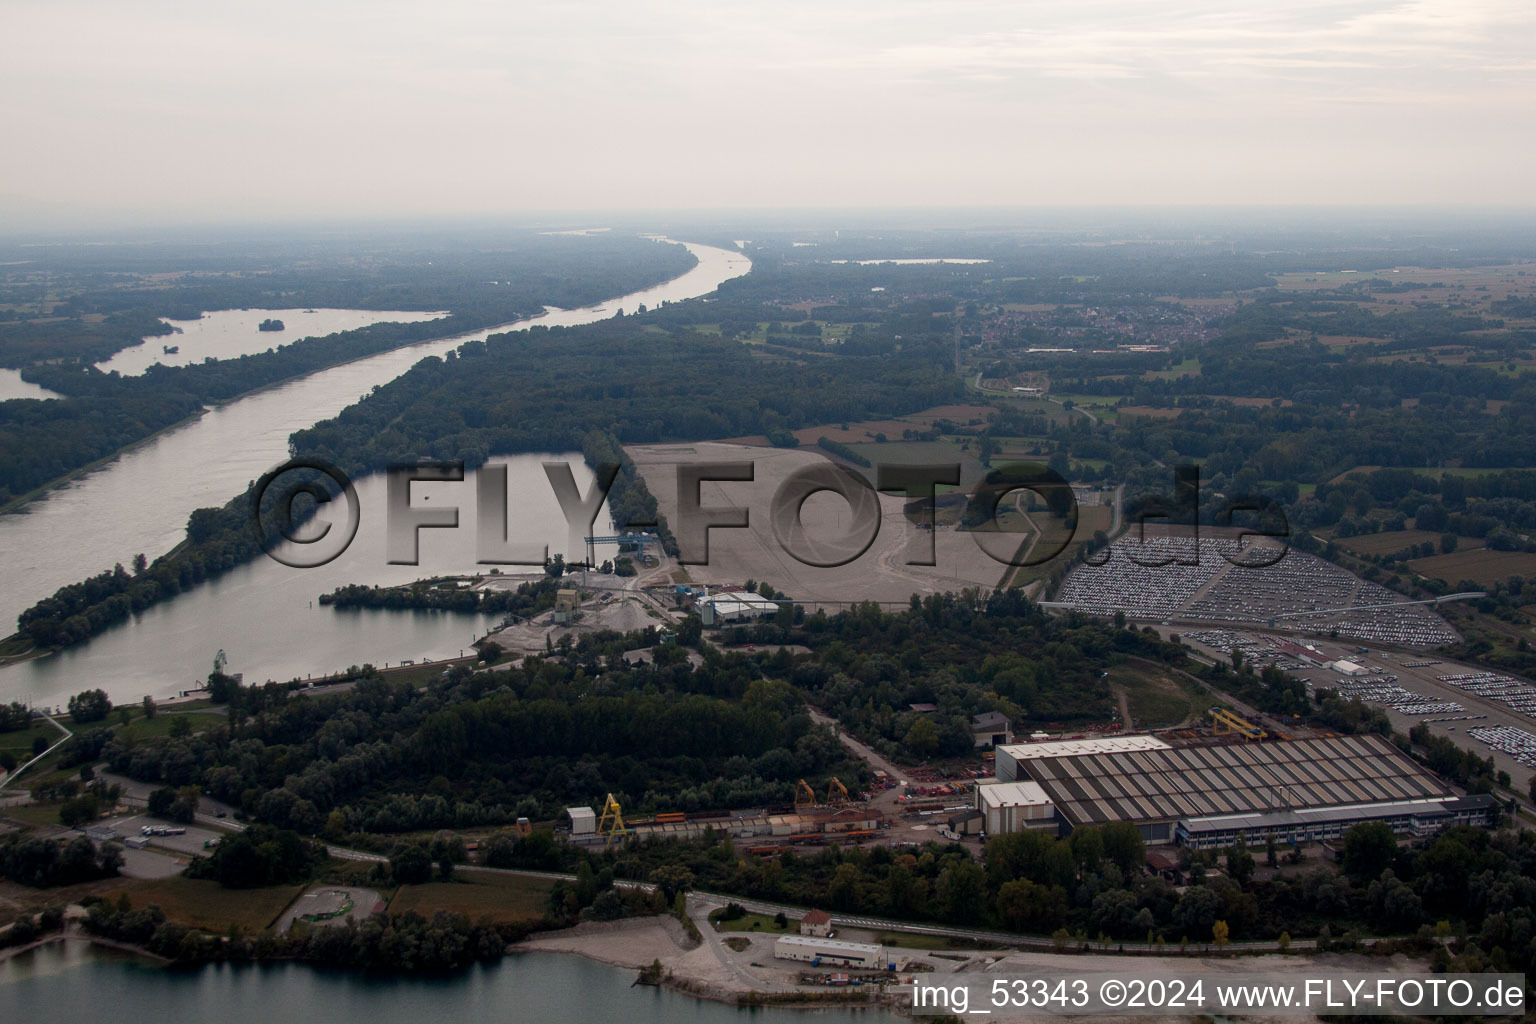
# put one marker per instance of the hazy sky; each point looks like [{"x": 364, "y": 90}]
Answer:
[{"x": 281, "y": 109}]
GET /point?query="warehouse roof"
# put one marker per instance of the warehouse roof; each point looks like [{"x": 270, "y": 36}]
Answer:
[
  {"x": 1000, "y": 794},
  {"x": 1074, "y": 748},
  {"x": 832, "y": 944},
  {"x": 1318, "y": 815},
  {"x": 1202, "y": 781}
]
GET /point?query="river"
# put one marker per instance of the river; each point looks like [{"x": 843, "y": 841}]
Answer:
[
  {"x": 12, "y": 386},
  {"x": 259, "y": 613},
  {"x": 229, "y": 333},
  {"x": 71, "y": 981}
]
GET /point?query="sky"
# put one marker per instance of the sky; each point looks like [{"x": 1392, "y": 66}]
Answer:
[{"x": 209, "y": 111}]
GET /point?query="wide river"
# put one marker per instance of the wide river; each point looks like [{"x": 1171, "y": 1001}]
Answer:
[
  {"x": 260, "y": 614},
  {"x": 71, "y": 982}
]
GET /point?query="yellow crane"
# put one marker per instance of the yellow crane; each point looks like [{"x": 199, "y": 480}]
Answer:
[
  {"x": 612, "y": 821},
  {"x": 1227, "y": 721},
  {"x": 837, "y": 793},
  {"x": 805, "y": 796}
]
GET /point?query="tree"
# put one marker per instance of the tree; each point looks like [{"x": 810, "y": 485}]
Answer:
[
  {"x": 922, "y": 738},
  {"x": 671, "y": 879},
  {"x": 78, "y": 810},
  {"x": 1369, "y": 849},
  {"x": 181, "y": 727},
  {"x": 1240, "y": 863},
  {"x": 89, "y": 706},
  {"x": 411, "y": 864},
  {"x": 962, "y": 892},
  {"x": 1123, "y": 845},
  {"x": 160, "y": 801},
  {"x": 149, "y": 707},
  {"x": 1220, "y": 932}
]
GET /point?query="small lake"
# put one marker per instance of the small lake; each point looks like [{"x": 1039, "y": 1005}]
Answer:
[{"x": 73, "y": 982}]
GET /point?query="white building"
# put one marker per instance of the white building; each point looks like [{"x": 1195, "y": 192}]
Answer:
[
  {"x": 583, "y": 820},
  {"x": 1010, "y": 756},
  {"x": 833, "y": 952},
  {"x": 1347, "y": 668},
  {"x": 1014, "y": 806},
  {"x": 734, "y": 606}
]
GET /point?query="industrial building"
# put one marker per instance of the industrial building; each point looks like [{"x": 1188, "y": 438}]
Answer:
[
  {"x": 1014, "y": 806},
  {"x": 991, "y": 729},
  {"x": 733, "y": 606},
  {"x": 833, "y": 952},
  {"x": 583, "y": 820},
  {"x": 1206, "y": 794}
]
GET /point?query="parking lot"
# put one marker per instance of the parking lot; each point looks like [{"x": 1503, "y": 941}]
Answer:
[
  {"x": 1478, "y": 710},
  {"x": 191, "y": 844}
]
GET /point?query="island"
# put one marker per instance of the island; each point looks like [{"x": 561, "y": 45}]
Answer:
[{"x": 270, "y": 325}]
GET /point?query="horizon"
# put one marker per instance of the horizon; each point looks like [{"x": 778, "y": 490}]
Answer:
[{"x": 170, "y": 114}]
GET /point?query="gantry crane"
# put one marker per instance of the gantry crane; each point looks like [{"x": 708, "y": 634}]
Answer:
[
  {"x": 611, "y": 823},
  {"x": 837, "y": 793},
  {"x": 805, "y": 796},
  {"x": 1226, "y": 721}
]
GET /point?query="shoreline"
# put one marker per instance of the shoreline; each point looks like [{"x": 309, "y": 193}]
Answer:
[
  {"x": 18, "y": 504},
  {"x": 81, "y": 936},
  {"x": 632, "y": 944}
]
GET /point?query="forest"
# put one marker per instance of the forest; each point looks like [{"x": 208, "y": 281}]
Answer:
[{"x": 101, "y": 413}]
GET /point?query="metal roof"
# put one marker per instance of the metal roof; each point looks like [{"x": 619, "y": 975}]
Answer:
[
  {"x": 833, "y": 945},
  {"x": 1320, "y": 815},
  {"x": 1207, "y": 781},
  {"x": 1001, "y": 794},
  {"x": 1074, "y": 748}
]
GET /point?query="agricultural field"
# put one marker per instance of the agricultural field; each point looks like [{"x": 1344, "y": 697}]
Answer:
[
  {"x": 504, "y": 898},
  {"x": 204, "y": 903},
  {"x": 1395, "y": 540},
  {"x": 1485, "y": 566}
]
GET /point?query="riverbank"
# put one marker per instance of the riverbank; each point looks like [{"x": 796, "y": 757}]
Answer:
[
  {"x": 694, "y": 969},
  {"x": 81, "y": 936}
]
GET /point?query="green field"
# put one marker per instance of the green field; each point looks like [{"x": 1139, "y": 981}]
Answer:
[
  {"x": 503, "y": 898},
  {"x": 203, "y": 903},
  {"x": 1156, "y": 698},
  {"x": 19, "y": 742},
  {"x": 141, "y": 728},
  {"x": 755, "y": 923}
]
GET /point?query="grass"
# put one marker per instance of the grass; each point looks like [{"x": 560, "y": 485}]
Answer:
[
  {"x": 1484, "y": 566},
  {"x": 203, "y": 903},
  {"x": 20, "y": 741},
  {"x": 477, "y": 894},
  {"x": 1156, "y": 699},
  {"x": 756, "y": 923},
  {"x": 141, "y": 728},
  {"x": 915, "y": 940}
]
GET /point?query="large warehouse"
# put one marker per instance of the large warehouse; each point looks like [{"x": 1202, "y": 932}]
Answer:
[{"x": 1206, "y": 794}]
